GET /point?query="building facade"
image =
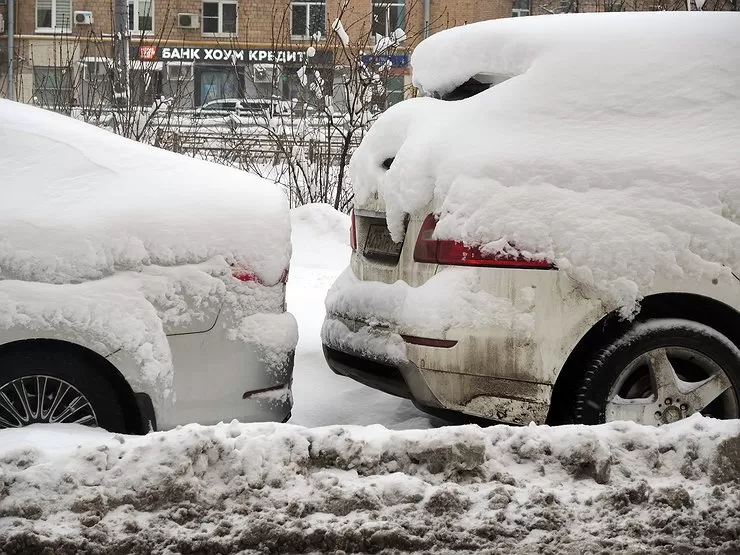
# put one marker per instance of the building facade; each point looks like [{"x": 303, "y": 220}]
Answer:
[{"x": 199, "y": 51}]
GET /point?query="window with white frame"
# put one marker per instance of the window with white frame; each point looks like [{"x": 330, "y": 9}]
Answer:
[
  {"x": 308, "y": 17},
  {"x": 520, "y": 8},
  {"x": 388, "y": 16},
  {"x": 54, "y": 15},
  {"x": 219, "y": 17},
  {"x": 95, "y": 69},
  {"x": 179, "y": 71},
  {"x": 141, "y": 16}
]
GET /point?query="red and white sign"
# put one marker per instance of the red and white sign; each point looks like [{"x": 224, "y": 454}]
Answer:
[{"x": 147, "y": 53}]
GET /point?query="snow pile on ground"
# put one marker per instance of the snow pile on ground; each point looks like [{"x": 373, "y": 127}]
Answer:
[
  {"x": 284, "y": 489},
  {"x": 321, "y": 252},
  {"x": 611, "y": 150},
  {"x": 320, "y": 236},
  {"x": 115, "y": 244}
]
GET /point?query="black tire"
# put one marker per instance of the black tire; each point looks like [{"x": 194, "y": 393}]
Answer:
[
  {"x": 71, "y": 367},
  {"x": 610, "y": 362}
]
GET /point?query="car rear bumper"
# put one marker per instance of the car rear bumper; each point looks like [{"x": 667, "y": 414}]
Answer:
[
  {"x": 380, "y": 359},
  {"x": 400, "y": 379}
]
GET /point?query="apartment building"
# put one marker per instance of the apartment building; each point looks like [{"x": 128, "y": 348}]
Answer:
[{"x": 197, "y": 51}]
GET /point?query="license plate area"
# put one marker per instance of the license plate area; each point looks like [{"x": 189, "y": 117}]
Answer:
[{"x": 379, "y": 246}]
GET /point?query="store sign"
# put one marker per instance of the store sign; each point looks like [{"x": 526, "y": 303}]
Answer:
[
  {"x": 396, "y": 60},
  {"x": 147, "y": 53},
  {"x": 192, "y": 54}
]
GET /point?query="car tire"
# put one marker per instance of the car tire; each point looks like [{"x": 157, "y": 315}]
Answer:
[
  {"x": 661, "y": 371},
  {"x": 73, "y": 390}
]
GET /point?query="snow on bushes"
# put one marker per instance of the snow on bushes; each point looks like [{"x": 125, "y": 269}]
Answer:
[
  {"x": 285, "y": 489},
  {"x": 611, "y": 149}
]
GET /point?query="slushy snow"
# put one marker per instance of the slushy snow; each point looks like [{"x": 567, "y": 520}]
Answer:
[
  {"x": 268, "y": 488},
  {"x": 610, "y": 150}
]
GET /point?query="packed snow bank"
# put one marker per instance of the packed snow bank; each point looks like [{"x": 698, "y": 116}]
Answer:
[
  {"x": 612, "y": 150},
  {"x": 284, "y": 489},
  {"x": 80, "y": 203}
]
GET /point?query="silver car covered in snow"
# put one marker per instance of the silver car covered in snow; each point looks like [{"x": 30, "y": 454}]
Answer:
[{"x": 139, "y": 289}]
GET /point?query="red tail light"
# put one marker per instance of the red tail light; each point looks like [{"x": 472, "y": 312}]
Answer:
[
  {"x": 353, "y": 233},
  {"x": 246, "y": 275},
  {"x": 454, "y": 253}
]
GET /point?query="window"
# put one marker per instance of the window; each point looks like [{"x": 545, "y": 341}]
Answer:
[
  {"x": 388, "y": 16},
  {"x": 308, "y": 18},
  {"x": 520, "y": 8},
  {"x": 52, "y": 86},
  {"x": 179, "y": 71},
  {"x": 53, "y": 14},
  {"x": 141, "y": 16},
  {"x": 219, "y": 17},
  {"x": 220, "y": 83},
  {"x": 394, "y": 89},
  {"x": 95, "y": 69}
]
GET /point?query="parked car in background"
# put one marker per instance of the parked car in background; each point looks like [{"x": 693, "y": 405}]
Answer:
[
  {"x": 240, "y": 107},
  {"x": 139, "y": 289},
  {"x": 552, "y": 234}
]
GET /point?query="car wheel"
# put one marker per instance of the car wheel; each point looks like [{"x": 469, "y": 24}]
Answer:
[
  {"x": 56, "y": 386},
  {"x": 659, "y": 372}
]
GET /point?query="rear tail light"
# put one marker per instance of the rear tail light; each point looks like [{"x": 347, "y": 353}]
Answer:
[
  {"x": 245, "y": 275},
  {"x": 353, "y": 232},
  {"x": 454, "y": 253}
]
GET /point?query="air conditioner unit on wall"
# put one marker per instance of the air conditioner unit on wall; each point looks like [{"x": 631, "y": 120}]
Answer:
[
  {"x": 188, "y": 21},
  {"x": 83, "y": 18}
]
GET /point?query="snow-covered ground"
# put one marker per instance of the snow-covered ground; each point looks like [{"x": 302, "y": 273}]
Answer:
[
  {"x": 269, "y": 488},
  {"x": 320, "y": 253}
]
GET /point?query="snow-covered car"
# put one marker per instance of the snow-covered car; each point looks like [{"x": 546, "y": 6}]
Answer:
[
  {"x": 139, "y": 289},
  {"x": 552, "y": 234}
]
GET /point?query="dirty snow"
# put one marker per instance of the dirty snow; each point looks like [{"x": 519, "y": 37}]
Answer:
[
  {"x": 264, "y": 488},
  {"x": 611, "y": 150}
]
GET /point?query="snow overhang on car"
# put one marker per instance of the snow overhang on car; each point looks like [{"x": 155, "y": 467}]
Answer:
[{"x": 476, "y": 84}]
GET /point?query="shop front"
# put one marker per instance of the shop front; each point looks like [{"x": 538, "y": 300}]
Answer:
[{"x": 194, "y": 75}]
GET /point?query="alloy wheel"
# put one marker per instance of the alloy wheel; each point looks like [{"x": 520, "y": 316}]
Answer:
[
  {"x": 43, "y": 399},
  {"x": 668, "y": 384}
]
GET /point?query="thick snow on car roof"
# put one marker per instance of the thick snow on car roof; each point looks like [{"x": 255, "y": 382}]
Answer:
[
  {"x": 509, "y": 47},
  {"x": 79, "y": 202},
  {"x": 612, "y": 151}
]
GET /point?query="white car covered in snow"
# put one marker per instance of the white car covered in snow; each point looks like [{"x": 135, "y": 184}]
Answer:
[
  {"x": 553, "y": 233},
  {"x": 139, "y": 289}
]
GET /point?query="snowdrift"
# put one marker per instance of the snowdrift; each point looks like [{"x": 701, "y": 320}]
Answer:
[
  {"x": 285, "y": 489},
  {"x": 611, "y": 149},
  {"x": 80, "y": 203}
]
